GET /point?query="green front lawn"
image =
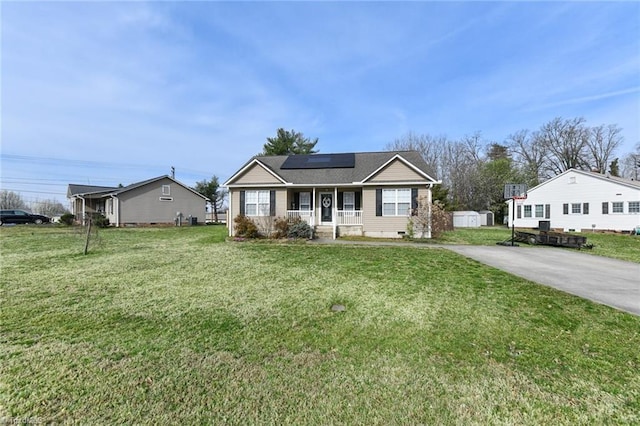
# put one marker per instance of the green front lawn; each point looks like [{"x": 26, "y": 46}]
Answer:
[{"x": 166, "y": 326}]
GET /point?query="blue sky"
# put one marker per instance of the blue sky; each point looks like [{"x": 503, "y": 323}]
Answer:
[{"x": 105, "y": 93}]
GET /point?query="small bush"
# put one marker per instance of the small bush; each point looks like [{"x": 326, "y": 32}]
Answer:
[
  {"x": 67, "y": 219},
  {"x": 299, "y": 229},
  {"x": 100, "y": 220},
  {"x": 281, "y": 228},
  {"x": 245, "y": 227}
]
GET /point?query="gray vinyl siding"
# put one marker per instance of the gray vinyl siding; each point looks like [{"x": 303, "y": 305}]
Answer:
[{"x": 143, "y": 204}]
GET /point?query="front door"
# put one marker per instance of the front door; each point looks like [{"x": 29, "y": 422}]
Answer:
[{"x": 326, "y": 207}]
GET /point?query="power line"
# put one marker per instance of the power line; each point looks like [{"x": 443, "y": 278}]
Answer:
[{"x": 89, "y": 163}]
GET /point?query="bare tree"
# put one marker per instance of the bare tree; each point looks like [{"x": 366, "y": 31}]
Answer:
[
  {"x": 11, "y": 200},
  {"x": 430, "y": 147},
  {"x": 565, "y": 144},
  {"x": 602, "y": 142},
  {"x": 631, "y": 164},
  {"x": 527, "y": 155},
  {"x": 49, "y": 208}
]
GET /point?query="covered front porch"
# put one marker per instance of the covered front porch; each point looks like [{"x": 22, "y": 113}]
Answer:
[{"x": 328, "y": 210}]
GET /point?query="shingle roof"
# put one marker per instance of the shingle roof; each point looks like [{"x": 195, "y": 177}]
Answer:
[
  {"x": 614, "y": 179},
  {"x": 75, "y": 189},
  {"x": 365, "y": 164}
]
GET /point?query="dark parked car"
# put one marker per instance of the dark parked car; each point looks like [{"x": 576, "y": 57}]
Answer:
[{"x": 21, "y": 216}]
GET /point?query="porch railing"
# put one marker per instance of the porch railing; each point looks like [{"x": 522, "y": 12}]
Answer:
[
  {"x": 349, "y": 217},
  {"x": 305, "y": 215}
]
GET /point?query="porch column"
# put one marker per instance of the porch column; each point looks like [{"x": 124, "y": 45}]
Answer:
[
  {"x": 314, "y": 203},
  {"x": 84, "y": 211},
  {"x": 335, "y": 212}
]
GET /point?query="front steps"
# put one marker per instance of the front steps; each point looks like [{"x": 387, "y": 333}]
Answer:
[{"x": 323, "y": 231}]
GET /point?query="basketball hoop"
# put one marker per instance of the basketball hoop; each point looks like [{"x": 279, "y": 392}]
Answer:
[{"x": 519, "y": 200}]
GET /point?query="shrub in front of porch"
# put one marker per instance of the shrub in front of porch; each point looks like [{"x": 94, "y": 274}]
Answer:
[
  {"x": 298, "y": 228},
  {"x": 292, "y": 228},
  {"x": 245, "y": 227}
]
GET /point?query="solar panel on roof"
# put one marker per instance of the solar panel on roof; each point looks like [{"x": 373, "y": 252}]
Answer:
[{"x": 320, "y": 161}]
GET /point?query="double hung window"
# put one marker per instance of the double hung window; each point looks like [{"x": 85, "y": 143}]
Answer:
[
  {"x": 396, "y": 202},
  {"x": 257, "y": 203}
]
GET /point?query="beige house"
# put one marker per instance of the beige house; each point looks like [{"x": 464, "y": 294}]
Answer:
[
  {"x": 365, "y": 194},
  {"x": 161, "y": 200}
]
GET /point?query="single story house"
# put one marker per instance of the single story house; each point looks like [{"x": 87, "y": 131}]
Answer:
[
  {"x": 578, "y": 200},
  {"x": 366, "y": 194},
  {"x": 161, "y": 200}
]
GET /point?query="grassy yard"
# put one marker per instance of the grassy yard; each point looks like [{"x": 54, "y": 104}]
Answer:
[
  {"x": 166, "y": 326},
  {"x": 617, "y": 246}
]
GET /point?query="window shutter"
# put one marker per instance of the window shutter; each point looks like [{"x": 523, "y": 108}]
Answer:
[
  {"x": 242, "y": 201},
  {"x": 378, "y": 201},
  {"x": 272, "y": 203},
  {"x": 414, "y": 198},
  {"x": 358, "y": 197},
  {"x": 519, "y": 212},
  {"x": 565, "y": 208},
  {"x": 296, "y": 201},
  {"x": 340, "y": 200},
  {"x": 585, "y": 208},
  {"x": 605, "y": 207},
  {"x": 547, "y": 211}
]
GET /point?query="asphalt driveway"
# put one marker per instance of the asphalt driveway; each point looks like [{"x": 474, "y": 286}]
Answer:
[
  {"x": 608, "y": 281},
  {"x": 612, "y": 282}
]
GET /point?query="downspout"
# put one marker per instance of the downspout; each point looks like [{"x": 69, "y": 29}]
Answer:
[
  {"x": 230, "y": 213},
  {"x": 429, "y": 202}
]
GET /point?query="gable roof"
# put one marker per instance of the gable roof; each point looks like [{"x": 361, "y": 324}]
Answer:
[
  {"x": 365, "y": 166},
  {"x": 613, "y": 179},
  {"x": 82, "y": 190}
]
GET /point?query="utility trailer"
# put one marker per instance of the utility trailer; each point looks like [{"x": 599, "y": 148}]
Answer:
[{"x": 550, "y": 238}]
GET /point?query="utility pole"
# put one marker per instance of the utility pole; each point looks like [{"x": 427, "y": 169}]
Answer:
[{"x": 173, "y": 172}]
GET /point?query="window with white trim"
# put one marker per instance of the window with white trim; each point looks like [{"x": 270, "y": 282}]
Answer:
[
  {"x": 256, "y": 203},
  {"x": 576, "y": 208},
  {"x": 617, "y": 207},
  {"x": 349, "y": 201},
  {"x": 166, "y": 189},
  {"x": 527, "y": 210},
  {"x": 305, "y": 201},
  {"x": 396, "y": 202},
  {"x": 539, "y": 210},
  {"x": 634, "y": 207}
]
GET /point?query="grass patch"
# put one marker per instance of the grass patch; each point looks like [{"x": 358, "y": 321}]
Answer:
[
  {"x": 175, "y": 326},
  {"x": 616, "y": 246}
]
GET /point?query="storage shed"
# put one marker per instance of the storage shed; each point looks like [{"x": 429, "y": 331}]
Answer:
[{"x": 466, "y": 219}]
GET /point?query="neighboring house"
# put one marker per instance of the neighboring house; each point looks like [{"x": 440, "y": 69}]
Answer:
[
  {"x": 365, "y": 194},
  {"x": 579, "y": 200},
  {"x": 155, "y": 201}
]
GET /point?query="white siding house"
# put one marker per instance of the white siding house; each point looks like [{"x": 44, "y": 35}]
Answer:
[{"x": 579, "y": 200}]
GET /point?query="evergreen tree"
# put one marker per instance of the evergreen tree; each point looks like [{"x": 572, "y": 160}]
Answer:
[{"x": 289, "y": 142}]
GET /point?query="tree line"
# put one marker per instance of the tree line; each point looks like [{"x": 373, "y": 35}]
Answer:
[{"x": 474, "y": 170}]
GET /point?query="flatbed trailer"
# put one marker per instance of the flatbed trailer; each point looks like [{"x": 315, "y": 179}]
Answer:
[{"x": 550, "y": 238}]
